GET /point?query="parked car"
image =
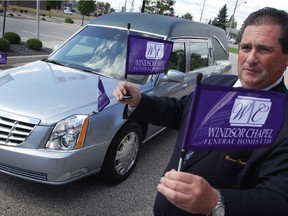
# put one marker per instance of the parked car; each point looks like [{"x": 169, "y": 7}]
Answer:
[
  {"x": 50, "y": 129},
  {"x": 232, "y": 40},
  {"x": 67, "y": 11}
]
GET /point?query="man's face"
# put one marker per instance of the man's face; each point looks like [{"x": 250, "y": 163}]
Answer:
[{"x": 260, "y": 58}]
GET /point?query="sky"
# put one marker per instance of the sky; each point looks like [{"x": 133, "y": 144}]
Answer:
[{"x": 211, "y": 7}]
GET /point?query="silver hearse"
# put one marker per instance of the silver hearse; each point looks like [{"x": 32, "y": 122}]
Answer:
[{"x": 50, "y": 129}]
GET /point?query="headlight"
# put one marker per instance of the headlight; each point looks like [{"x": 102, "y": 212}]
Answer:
[{"x": 69, "y": 133}]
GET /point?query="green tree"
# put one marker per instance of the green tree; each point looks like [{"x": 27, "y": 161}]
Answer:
[
  {"x": 187, "y": 16},
  {"x": 221, "y": 18},
  {"x": 86, "y": 7},
  {"x": 107, "y": 7},
  {"x": 234, "y": 23},
  {"x": 52, "y": 5},
  {"x": 164, "y": 7}
]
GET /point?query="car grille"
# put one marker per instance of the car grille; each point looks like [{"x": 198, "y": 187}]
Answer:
[
  {"x": 14, "y": 132},
  {"x": 23, "y": 173}
]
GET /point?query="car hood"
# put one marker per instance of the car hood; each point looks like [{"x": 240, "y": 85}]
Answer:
[{"x": 50, "y": 92}]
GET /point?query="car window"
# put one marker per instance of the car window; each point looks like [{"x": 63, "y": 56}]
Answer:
[
  {"x": 177, "y": 59},
  {"x": 198, "y": 54}
]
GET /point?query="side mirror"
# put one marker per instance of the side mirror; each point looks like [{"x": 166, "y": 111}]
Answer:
[
  {"x": 224, "y": 66},
  {"x": 173, "y": 76}
]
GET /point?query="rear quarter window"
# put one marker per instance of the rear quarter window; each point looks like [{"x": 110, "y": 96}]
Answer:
[{"x": 198, "y": 54}]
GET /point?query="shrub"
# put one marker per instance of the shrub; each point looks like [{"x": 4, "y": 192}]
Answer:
[
  {"x": 34, "y": 44},
  {"x": 4, "y": 45},
  {"x": 13, "y": 8},
  {"x": 68, "y": 20},
  {"x": 13, "y": 37}
]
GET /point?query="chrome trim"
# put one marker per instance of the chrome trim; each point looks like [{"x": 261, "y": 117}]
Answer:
[{"x": 14, "y": 129}]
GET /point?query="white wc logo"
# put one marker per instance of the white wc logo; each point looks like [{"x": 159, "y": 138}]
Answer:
[
  {"x": 250, "y": 111},
  {"x": 154, "y": 50}
]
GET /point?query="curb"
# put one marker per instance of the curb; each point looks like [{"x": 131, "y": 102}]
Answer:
[{"x": 21, "y": 60}]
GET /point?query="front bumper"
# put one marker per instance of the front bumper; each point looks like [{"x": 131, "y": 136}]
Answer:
[{"x": 51, "y": 167}]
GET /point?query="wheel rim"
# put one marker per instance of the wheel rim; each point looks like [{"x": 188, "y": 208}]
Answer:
[{"x": 127, "y": 153}]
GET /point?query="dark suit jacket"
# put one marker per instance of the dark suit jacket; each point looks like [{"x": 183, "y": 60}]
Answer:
[{"x": 252, "y": 182}]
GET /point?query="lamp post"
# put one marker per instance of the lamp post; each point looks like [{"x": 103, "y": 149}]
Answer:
[
  {"x": 4, "y": 20},
  {"x": 233, "y": 15},
  {"x": 37, "y": 18}
]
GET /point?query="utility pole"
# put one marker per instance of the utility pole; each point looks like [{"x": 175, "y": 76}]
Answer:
[
  {"x": 202, "y": 10},
  {"x": 132, "y": 6},
  {"x": 143, "y": 6},
  {"x": 233, "y": 16},
  {"x": 125, "y": 8}
]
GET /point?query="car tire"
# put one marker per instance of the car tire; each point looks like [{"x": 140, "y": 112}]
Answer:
[{"x": 122, "y": 154}]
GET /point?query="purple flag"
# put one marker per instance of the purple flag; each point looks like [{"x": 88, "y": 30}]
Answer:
[
  {"x": 3, "y": 58},
  {"x": 147, "y": 55},
  {"x": 103, "y": 99},
  {"x": 227, "y": 118}
]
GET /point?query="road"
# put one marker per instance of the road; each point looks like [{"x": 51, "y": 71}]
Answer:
[{"x": 52, "y": 31}]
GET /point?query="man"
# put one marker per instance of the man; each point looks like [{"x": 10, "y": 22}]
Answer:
[{"x": 230, "y": 183}]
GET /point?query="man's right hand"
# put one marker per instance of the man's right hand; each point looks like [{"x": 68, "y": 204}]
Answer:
[{"x": 122, "y": 90}]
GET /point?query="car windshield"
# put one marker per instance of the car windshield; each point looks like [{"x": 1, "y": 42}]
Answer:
[{"x": 97, "y": 49}]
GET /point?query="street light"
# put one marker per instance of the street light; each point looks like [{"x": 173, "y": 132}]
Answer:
[
  {"x": 233, "y": 15},
  {"x": 4, "y": 20}
]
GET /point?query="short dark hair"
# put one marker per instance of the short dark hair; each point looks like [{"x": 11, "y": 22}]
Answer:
[{"x": 268, "y": 16}]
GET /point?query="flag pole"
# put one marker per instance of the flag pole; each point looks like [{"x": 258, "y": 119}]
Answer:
[
  {"x": 193, "y": 104},
  {"x": 127, "y": 95},
  {"x": 128, "y": 32},
  {"x": 97, "y": 93}
]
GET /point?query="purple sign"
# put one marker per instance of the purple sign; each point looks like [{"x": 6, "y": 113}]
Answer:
[
  {"x": 147, "y": 55},
  {"x": 227, "y": 118},
  {"x": 103, "y": 99},
  {"x": 3, "y": 58}
]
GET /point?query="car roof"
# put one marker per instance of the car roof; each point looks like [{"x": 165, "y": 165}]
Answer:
[
  {"x": 158, "y": 24},
  {"x": 168, "y": 26}
]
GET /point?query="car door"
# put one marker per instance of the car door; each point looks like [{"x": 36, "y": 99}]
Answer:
[
  {"x": 177, "y": 61},
  {"x": 199, "y": 59}
]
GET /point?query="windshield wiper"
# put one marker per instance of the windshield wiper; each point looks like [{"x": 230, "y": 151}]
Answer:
[
  {"x": 53, "y": 62},
  {"x": 97, "y": 71}
]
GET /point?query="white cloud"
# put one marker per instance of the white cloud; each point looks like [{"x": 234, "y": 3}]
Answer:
[{"x": 211, "y": 8}]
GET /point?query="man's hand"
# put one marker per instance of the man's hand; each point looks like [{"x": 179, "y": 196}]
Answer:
[
  {"x": 122, "y": 90},
  {"x": 188, "y": 192}
]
